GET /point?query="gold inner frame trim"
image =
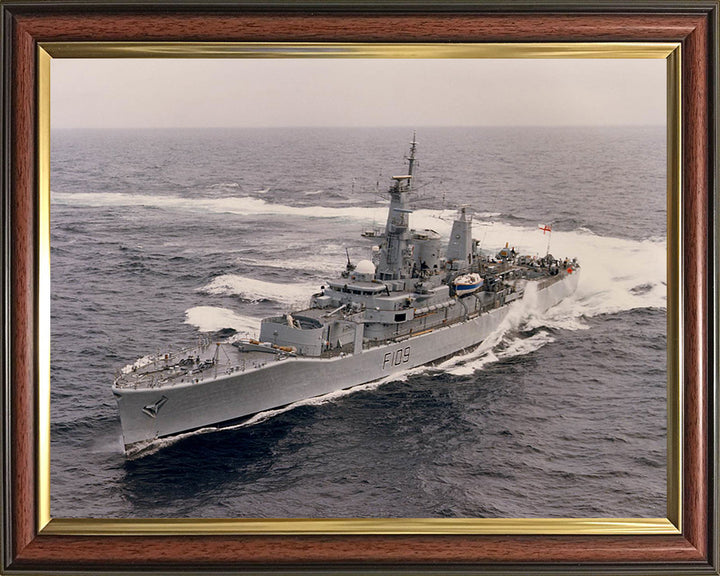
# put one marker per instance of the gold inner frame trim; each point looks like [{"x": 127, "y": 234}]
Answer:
[
  {"x": 547, "y": 526},
  {"x": 675, "y": 314},
  {"x": 43, "y": 304},
  {"x": 357, "y": 50},
  {"x": 386, "y": 526}
]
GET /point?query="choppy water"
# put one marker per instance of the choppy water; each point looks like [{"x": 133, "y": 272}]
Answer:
[{"x": 157, "y": 236}]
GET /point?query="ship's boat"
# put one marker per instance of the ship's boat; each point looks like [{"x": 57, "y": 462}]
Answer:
[
  {"x": 410, "y": 304},
  {"x": 467, "y": 284}
]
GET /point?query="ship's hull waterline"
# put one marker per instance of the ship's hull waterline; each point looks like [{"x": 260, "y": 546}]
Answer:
[{"x": 189, "y": 406}]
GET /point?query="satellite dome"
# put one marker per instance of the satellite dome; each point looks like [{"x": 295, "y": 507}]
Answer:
[{"x": 365, "y": 267}]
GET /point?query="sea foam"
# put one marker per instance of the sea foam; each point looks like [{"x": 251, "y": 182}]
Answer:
[
  {"x": 254, "y": 290},
  {"x": 211, "y": 319}
]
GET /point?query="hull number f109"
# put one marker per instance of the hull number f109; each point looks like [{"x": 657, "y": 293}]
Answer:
[{"x": 400, "y": 356}]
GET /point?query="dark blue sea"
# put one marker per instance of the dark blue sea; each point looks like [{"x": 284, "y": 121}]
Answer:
[{"x": 158, "y": 236}]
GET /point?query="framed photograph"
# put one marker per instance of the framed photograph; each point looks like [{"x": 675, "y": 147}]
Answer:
[{"x": 347, "y": 288}]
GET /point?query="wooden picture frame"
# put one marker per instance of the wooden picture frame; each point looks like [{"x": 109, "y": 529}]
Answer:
[{"x": 30, "y": 545}]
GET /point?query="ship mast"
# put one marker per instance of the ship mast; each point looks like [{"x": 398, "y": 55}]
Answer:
[
  {"x": 411, "y": 159},
  {"x": 396, "y": 256}
]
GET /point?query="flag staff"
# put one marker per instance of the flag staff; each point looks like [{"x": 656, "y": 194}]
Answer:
[{"x": 547, "y": 228}]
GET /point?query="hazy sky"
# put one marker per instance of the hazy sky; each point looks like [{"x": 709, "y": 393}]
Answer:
[{"x": 352, "y": 92}]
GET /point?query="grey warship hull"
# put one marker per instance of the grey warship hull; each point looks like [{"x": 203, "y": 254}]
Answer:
[
  {"x": 411, "y": 305},
  {"x": 193, "y": 405}
]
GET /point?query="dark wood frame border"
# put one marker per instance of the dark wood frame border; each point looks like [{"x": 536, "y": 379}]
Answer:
[{"x": 692, "y": 23}]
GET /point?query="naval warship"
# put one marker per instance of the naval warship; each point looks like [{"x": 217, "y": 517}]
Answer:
[{"x": 411, "y": 303}]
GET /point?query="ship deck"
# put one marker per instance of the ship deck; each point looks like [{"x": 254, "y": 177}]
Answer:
[
  {"x": 214, "y": 360},
  {"x": 206, "y": 362}
]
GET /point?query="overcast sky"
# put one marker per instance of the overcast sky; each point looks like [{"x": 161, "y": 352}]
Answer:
[{"x": 109, "y": 93}]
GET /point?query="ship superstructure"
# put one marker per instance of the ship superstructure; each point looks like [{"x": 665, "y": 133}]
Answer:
[{"x": 412, "y": 303}]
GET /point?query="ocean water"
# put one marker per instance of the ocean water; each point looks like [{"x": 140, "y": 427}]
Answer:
[{"x": 158, "y": 236}]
